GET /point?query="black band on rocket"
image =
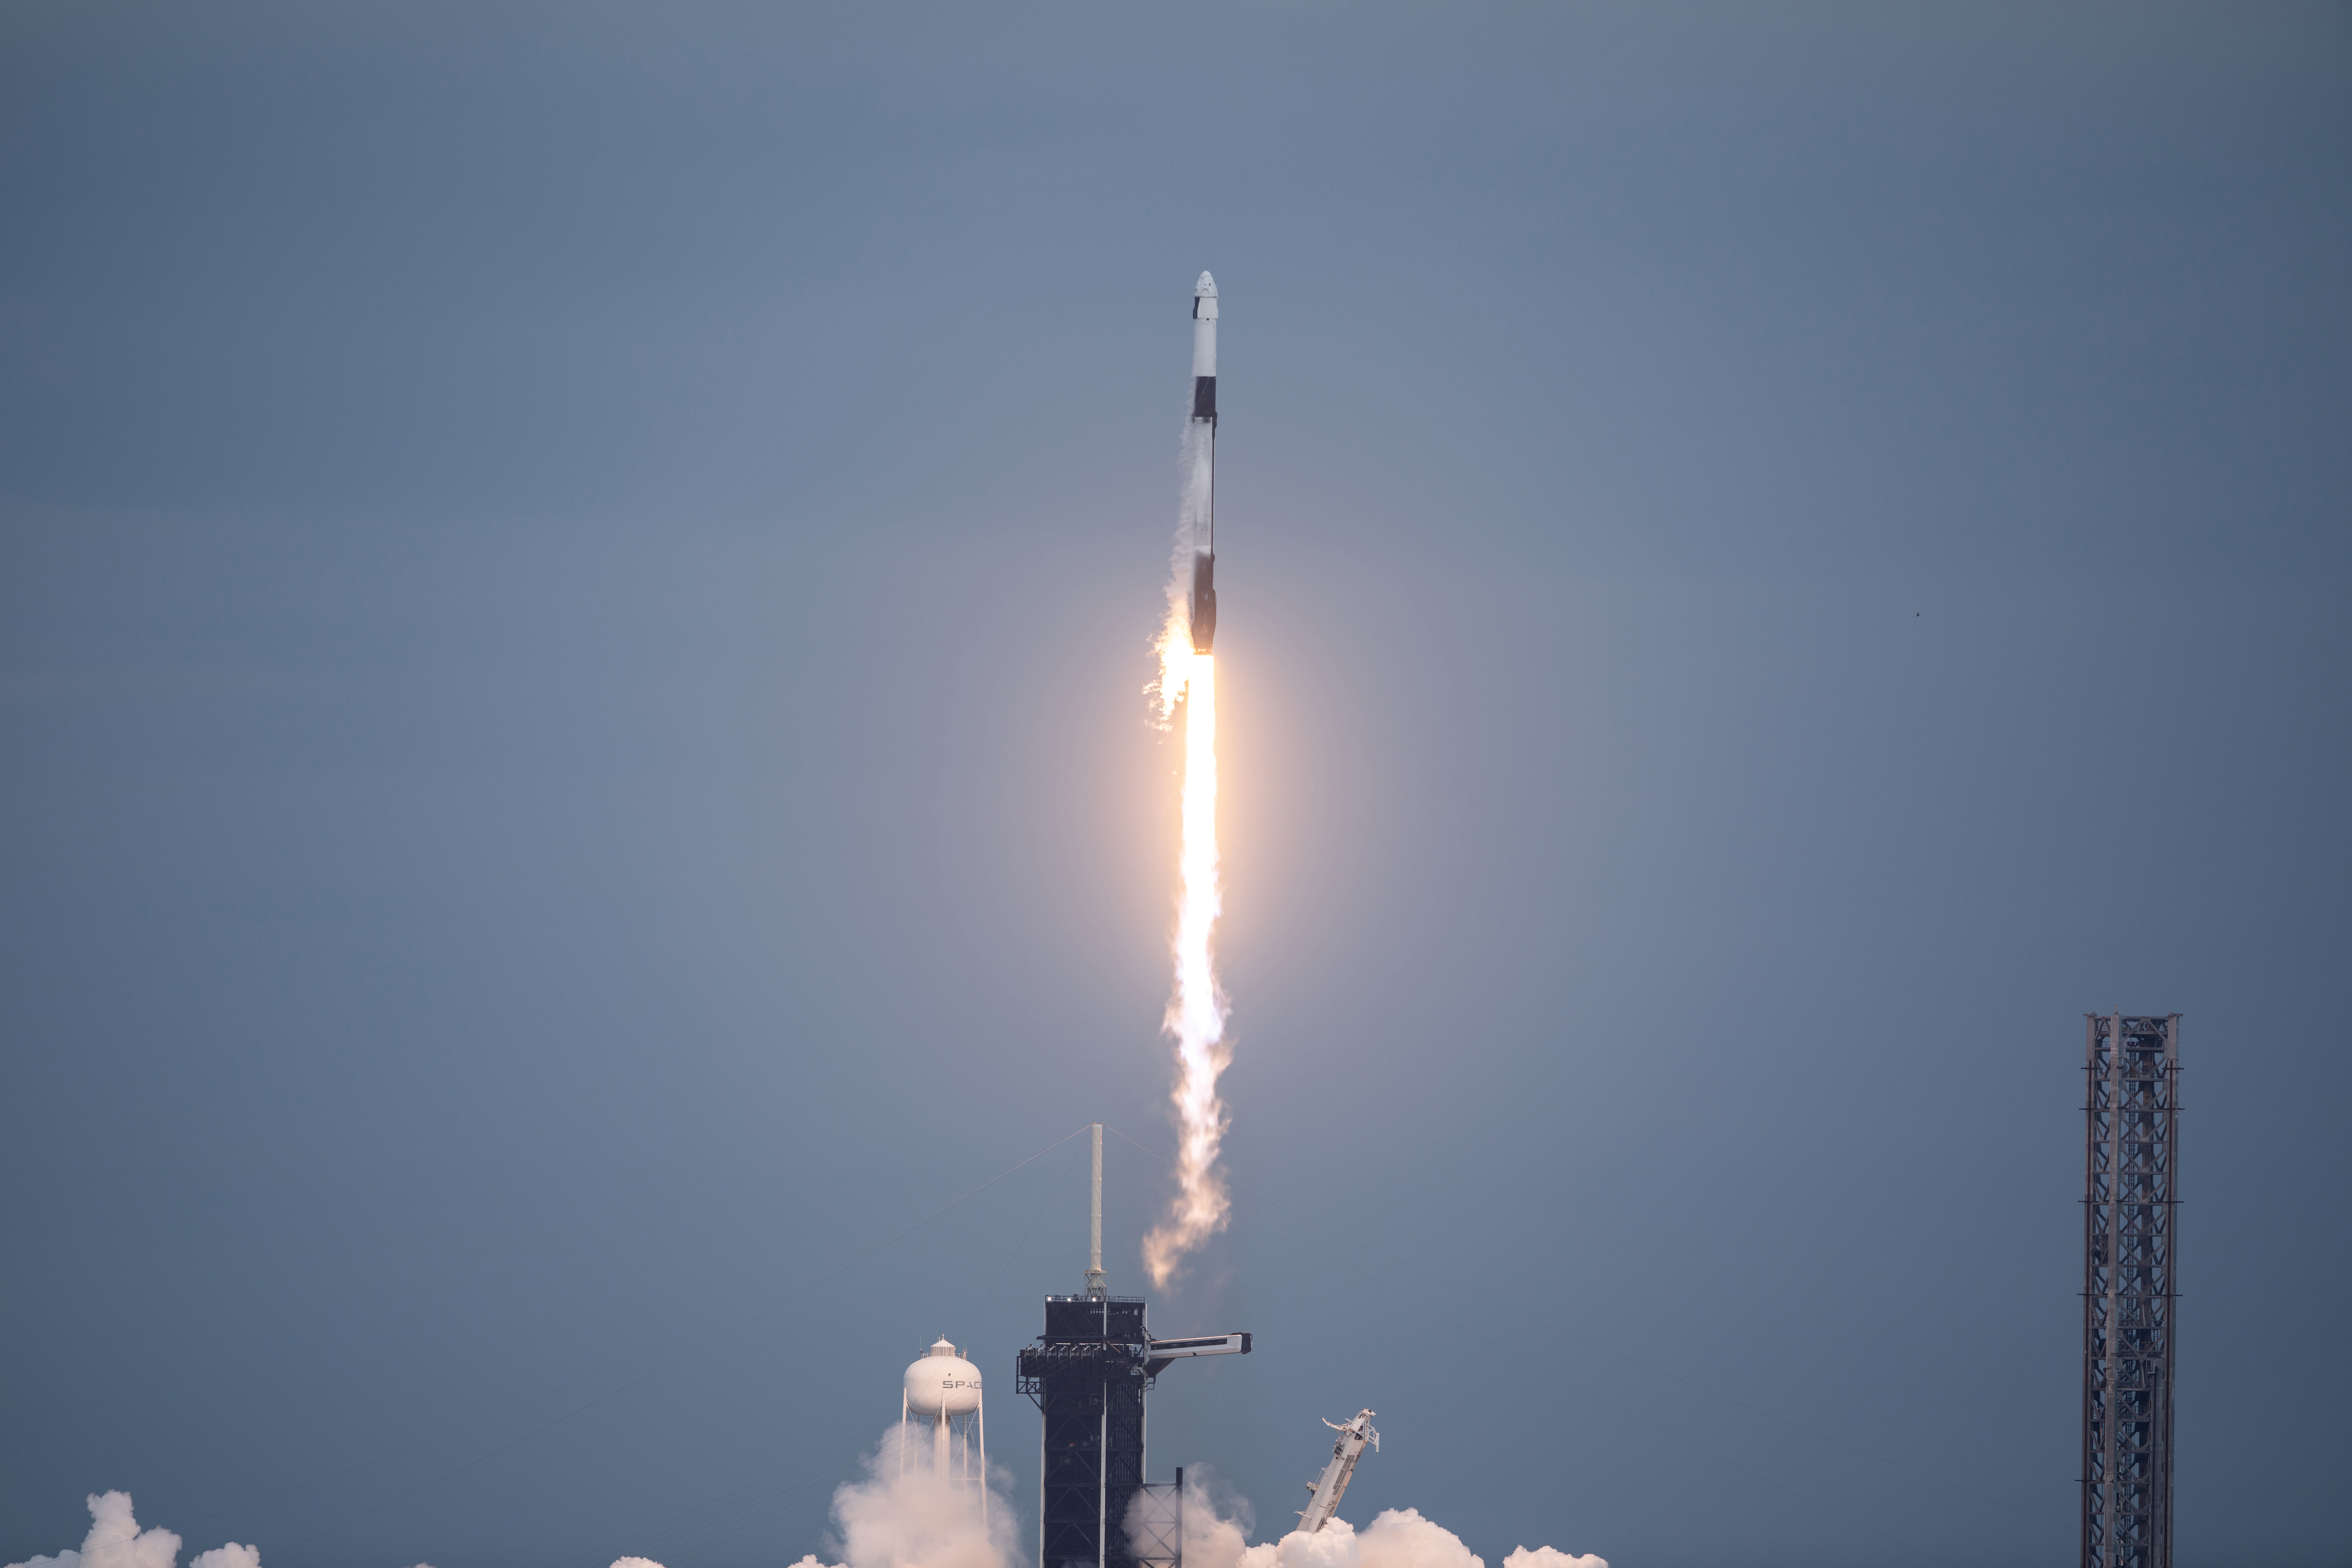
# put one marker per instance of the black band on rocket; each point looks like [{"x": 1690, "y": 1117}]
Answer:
[{"x": 1204, "y": 397}]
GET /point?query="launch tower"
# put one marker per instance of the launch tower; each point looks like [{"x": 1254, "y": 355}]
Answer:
[
  {"x": 1088, "y": 1373},
  {"x": 2130, "y": 1172}
]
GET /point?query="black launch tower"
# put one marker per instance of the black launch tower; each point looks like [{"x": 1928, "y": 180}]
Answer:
[
  {"x": 2131, "y": 1170},
  {"x": 1088, "y": 1373}
]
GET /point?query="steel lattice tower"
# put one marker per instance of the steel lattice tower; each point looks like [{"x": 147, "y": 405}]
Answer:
[
  {"x": 1088, "y": 1375},
  {"x": 2130, "y": 1197}
]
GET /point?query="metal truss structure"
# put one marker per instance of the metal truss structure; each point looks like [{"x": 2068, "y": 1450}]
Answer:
[
  {"x": 1155, "y": 1526},
  {"x": 1089, "y": 1374},
  {"x": 2130, "y": 1195},
  {"x": 1086, "y": 1374}
]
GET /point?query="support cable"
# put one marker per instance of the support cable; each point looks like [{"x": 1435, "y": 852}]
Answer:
[{"x": 1013, "y": 1257}]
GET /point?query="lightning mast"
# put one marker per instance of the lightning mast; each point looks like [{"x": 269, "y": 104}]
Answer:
[{"x": 1095, "y": 1274}]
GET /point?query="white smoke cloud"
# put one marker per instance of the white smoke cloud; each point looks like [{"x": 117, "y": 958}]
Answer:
[
  {"x": 905, "y": 1512},
  {"x": 115, "y": 1541},
  {"x": 1217, "y": 1530},
  {"x": 1545, "y": 1557}
]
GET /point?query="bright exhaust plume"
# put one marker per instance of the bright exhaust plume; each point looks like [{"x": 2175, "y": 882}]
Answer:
[{"x": 1196, "y": 1014}]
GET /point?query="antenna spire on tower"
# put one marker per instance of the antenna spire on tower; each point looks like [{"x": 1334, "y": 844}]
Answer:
[{"x": 1094, "y": 1276}]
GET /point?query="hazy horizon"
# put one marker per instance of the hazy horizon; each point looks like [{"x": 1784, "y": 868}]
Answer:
[{"x": 576, "y": 583}]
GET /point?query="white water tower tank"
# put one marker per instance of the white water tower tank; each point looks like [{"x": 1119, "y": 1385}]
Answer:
[{"x": 942, "y": 1384}]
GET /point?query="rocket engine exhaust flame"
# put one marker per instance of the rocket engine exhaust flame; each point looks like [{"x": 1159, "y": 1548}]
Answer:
[
  {"x": 1197, "y": 1011},
  {"x": 1188, "y": 674}
]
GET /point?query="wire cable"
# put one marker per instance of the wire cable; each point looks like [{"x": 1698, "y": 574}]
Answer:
[{"x": 1044, "y": 1204}]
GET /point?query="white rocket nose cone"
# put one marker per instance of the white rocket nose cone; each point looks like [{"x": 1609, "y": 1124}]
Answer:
[{"x": 1206, "y": 289}]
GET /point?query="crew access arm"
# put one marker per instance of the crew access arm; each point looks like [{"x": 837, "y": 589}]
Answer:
[{"x": 1327, "y": 1492}]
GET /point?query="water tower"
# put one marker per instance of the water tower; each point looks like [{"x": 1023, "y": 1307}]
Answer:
[{"x": 943, "y": 1391}]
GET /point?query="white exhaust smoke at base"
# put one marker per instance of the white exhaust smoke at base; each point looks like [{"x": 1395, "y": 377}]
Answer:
[
  {"x": 905, "y": 1514},
  {"x": 1397, "y": 1538},
  {"x": 1551, "y": 1557},
  {"x": 115, "y": 1541},
  {"x": 900, "y": 1515}
]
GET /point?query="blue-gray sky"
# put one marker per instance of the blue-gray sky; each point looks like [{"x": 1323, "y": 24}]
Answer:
[{"x": 575, "y": 582}]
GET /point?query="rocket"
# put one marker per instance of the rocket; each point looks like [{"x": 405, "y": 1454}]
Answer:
[{"x": 1204, "y": 426}]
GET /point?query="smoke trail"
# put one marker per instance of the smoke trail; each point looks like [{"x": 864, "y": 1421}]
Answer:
[
  {"x": 115, "y": 1541},
  {"x": 1197, "y": 1011}
]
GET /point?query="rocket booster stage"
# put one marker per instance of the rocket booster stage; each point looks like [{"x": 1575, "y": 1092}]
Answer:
[{"x": 1204, "y": 413}]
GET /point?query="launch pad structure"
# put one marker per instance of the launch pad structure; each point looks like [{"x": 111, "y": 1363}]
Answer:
[
  {"x": 1086, "y": 1374},
  {"x": 1089, "y": 1374},
  {"x": 2130, "y": 1279}
]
